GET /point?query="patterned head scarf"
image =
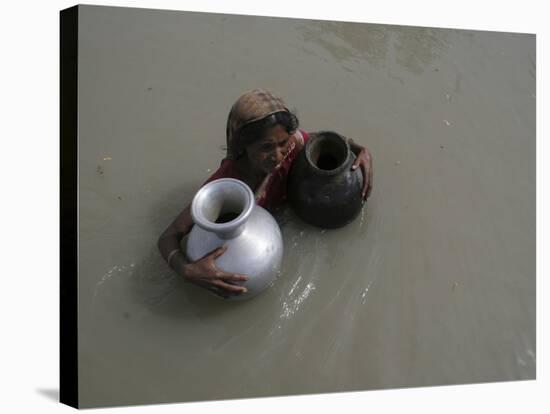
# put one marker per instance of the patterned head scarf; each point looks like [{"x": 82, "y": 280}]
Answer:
[{"x": 251, "y": 106}]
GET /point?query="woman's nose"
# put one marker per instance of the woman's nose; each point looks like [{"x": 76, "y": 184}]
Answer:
[{"x": 279, "y": 155}]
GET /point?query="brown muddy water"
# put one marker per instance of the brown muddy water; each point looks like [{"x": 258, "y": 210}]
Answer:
[{"x": 433, "y": 283}]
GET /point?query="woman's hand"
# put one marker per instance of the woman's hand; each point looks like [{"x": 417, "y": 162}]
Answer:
[
  {"x": 364, "y": 161},
  {"x": 204, "y": 273}
]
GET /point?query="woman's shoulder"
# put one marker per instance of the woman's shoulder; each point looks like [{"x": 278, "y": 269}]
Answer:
[
  {"x": 227, "y": 169},
  {"x": 302, "y": 135}
]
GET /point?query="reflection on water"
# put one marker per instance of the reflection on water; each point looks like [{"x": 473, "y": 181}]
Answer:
[
  {"x": 416, "y": 48},
  {"x": 349, "y": 41},
  {"x": 413, "y": 48}
]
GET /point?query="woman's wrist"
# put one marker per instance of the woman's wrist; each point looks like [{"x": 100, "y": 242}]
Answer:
[
  {"x": 176, "y": 261},
  {"x": 171, "y": 256},
  {"x": 354, "y": 147}
]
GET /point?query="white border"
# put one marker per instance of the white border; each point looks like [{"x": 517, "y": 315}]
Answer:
[{"x": 30, "y": 174}]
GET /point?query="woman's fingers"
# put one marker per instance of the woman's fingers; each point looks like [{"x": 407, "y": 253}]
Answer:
[
  {"x": 370, "y": 177},
  {"x": 217, "y": 291},
  {"x": 228, "y": 287},
  {"x": 211, "y": 288},
  {"x": 363, "y": 160},
  {"x": 233, "y": 277},
  {"x": 365, "y": 167},
  {"x": 365, "y": 180},
  {"x": 357, "y": 162},
  {"x": 219, "y": 251},
  {"x": 367, "y": 174},
  {"x": 214, "y": 254}
]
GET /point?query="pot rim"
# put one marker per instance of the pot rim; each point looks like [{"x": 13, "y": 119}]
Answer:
[
  {"x": 218, "y": 186},
  {"x": 327, "y": 135}
]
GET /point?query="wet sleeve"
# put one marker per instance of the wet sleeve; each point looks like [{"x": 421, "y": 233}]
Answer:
[
  {"x": 225, "y": 170},
  {"x": 305, "y": 135}
]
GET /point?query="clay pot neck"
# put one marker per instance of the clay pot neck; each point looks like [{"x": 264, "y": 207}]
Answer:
[{"x": 328, "y": 153}]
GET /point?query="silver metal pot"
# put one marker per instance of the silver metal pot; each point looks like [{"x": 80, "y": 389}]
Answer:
[{"x": 225, "y": 213}]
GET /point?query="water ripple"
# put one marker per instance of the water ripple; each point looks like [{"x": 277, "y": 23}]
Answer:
[{"x": 289, "y": 309}]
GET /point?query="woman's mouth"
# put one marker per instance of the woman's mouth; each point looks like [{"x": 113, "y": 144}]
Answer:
[{"x": 269, "y": 166}]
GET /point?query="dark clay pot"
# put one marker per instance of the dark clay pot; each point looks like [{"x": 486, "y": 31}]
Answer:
[{"x": 322, "y": 188}]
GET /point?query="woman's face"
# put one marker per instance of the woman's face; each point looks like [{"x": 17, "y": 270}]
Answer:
[{"x": 268, "y": 152}]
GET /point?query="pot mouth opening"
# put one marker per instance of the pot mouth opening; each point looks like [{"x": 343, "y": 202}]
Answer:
[
  {"x": 222, "y": 205},
  {"x": 227, "y": 215},
  {"x": 328, "y": 153}
]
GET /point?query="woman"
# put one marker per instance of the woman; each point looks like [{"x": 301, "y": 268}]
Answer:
[{"x": 263, "y": 139}]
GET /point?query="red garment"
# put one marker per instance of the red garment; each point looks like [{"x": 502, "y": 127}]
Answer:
[{"x": 275, "y": 191}]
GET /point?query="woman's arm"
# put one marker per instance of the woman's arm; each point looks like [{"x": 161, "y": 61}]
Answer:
[
  {"x": 203, "y": 272},
  {"x": 170, "y": 239},
  {"x": 364, "y": 161}
]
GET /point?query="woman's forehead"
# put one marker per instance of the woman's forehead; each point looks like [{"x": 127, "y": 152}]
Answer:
[
  {"x": 273, "y": 136},
  {"x": 275, "y": 133}
]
